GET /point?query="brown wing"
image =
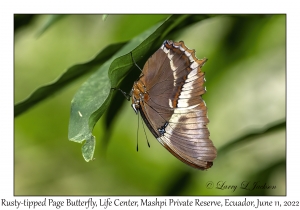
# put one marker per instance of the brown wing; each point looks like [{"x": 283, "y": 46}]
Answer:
[{"x": 174, "y": 110}]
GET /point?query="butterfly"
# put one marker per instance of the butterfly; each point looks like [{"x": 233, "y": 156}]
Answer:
[{"x": 168, "y": 97}]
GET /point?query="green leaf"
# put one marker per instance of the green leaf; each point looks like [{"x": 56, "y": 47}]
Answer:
[
  {"x": 252, "y": 135},
  {"x": 66, "y": 78},
  {"x": 94, "y": 96},
  {"x": 104, "y": 17},
  {"x": 88, "y": 148},
  {"x": 49, "y": 22}
]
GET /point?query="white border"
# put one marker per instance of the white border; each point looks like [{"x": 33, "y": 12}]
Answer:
[{"x": 8, "y": 8}]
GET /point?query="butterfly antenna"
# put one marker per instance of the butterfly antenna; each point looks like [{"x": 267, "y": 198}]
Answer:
[
  {"x": 137, "y": 135},
  {"x": 127, "y": 96},
  {"x": 135, "y": 62},
  {"x": 145, "y": 134}
]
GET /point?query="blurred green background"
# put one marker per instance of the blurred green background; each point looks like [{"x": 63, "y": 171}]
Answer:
[{"x": 246, "y": 100}]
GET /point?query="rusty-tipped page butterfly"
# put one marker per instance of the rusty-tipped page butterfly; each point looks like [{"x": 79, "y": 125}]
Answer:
[{"x": 168, "y": 97}]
